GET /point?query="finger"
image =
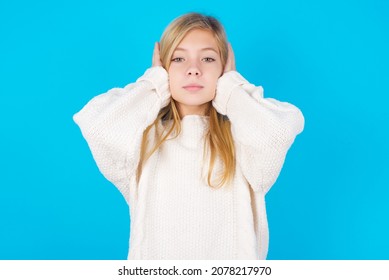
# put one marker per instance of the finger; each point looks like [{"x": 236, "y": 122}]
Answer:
[
  {"x": 230, "y": 63},
  {"x": 156, "y": 61},
  {"x": 154, "y": 54},
  {"x": 231, "y": 57}
]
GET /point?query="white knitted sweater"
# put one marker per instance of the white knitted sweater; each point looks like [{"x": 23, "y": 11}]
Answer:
[{"x": 174, "y": 213}]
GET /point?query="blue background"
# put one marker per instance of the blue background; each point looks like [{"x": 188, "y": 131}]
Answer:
[{"x": 330, "y": 58}]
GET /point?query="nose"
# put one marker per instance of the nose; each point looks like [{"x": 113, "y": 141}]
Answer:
[{"x": 193, "y": 70}]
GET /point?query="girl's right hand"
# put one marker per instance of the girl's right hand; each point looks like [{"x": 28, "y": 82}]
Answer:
[
  {"x": 230, "y": 64},
  {"x": 156, "y": 57}
]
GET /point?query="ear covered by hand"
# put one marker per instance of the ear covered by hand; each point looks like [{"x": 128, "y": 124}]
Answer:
[
  {"x": 156, "y": 61},
  {"x": 230, "y": 64}
]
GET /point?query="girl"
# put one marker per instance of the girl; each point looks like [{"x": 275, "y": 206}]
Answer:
[{"x": 193, "y": 147}]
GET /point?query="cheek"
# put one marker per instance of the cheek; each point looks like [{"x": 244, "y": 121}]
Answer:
[{"x": 213, "y": 79}]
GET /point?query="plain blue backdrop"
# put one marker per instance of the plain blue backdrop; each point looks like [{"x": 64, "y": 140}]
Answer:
[{"x": 330, "y": 58}]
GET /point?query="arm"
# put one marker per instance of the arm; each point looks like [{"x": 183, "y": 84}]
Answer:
[
  {"x": 263, "y": 128},
  {"x": 113, "y": 124}
]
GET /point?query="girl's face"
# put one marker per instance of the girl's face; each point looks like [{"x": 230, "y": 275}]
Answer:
[{"x": 193, "y": 73}]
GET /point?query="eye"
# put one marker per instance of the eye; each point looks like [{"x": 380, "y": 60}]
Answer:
[
  {"x": 209, "y": 59},
  {"x": 178, "y": 59}
]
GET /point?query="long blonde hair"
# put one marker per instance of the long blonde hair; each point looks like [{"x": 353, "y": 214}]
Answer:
[{"x": 218, "y": 138}]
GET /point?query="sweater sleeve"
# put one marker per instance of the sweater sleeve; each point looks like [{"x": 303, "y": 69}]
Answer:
[
  {"x": 113, "y": 124},
  {"x": 263, "y": 128}
]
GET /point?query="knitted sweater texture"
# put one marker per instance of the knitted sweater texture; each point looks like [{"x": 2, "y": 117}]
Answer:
[{"x": 174, "y": 213}]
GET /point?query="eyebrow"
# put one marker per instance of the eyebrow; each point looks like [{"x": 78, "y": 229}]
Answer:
[{"x": 203, "y": 49}]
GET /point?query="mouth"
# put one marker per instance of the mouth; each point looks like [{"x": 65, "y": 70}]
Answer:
[{"x": 193, "y": 87}]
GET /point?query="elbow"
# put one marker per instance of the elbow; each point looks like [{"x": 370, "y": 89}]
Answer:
[
  {"x": 293, "y": 125},
  {"x": 267, "y": 180},
  {"x": 299, "y": 122}
]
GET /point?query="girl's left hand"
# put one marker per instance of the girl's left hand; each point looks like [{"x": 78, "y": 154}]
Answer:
[{"x": 230, "y": 64}]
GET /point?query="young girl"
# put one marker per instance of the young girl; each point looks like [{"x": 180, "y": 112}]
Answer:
[{"x": 193, "y": 147}]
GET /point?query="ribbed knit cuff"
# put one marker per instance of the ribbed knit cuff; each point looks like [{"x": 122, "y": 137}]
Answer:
[
  {"x": 225, "y": 87},
  {"x": 158, "y": 77}
]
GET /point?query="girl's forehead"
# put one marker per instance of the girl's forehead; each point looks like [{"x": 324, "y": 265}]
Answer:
[
  {"x": 201, "y": 49},
  {"x": 200, "y": 39},
  {"x": 199, "y": 33}
]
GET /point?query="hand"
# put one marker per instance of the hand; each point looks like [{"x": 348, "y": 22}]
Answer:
[
  {"x": 156, "y": 61},
  {"x": 230, "y": 64}
]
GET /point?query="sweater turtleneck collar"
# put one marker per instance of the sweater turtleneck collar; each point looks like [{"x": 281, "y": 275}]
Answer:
[{"x": 193, "y": 129}]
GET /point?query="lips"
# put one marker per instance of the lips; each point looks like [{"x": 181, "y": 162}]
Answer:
[{"x": 193, "y": 87}]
